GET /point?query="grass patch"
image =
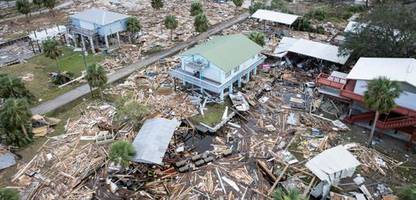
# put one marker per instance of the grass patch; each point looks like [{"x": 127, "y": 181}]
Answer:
[
  {"x": 213, "y": 113},
  {"x": 40, "y": 66},
  {"x": 334, "y": 13}
]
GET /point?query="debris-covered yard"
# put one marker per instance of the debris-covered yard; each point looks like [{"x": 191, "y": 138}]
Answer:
[{"x": 245, "y": 159}]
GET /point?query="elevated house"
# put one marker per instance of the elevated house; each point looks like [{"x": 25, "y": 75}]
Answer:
[
  {"x": 220, "y": 63},
  {"x": 351, "y": 87},
  {"x": 93, "y": 28}
]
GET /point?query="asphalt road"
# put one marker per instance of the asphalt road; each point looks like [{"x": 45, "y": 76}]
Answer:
[{"x": 83, "y": 90}]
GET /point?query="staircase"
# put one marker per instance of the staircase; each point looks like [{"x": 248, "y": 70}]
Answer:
[
  {"x": 391, "y": 124},
  {"x": 360, "y": 117}
]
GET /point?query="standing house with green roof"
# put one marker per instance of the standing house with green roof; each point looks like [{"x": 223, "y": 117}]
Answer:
[{"x": 220, "y": 63}]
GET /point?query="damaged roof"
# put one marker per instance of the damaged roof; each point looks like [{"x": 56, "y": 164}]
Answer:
[
  {"x": 397, "y": 69},
  {"x": 153, "y": 140},
  {"x": 279, "y": 17},
  {"x": 333, "y": 164},
  {"x": 98, "y": 16},
  {"x": 226, "y": 52}
]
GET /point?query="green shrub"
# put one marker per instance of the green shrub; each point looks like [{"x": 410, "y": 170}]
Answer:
[
  {"x": 407, "y": 193},
  {"x": 122, "y": 152},
  {"x": 318, "y": 14},
  {"x": 9, "y": 194},
  {"x": 303, "y": 24},
  {"x": 256, "y": 6}
]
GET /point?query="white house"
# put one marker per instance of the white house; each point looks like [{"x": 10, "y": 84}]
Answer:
[{"x": 218, "y": 64}]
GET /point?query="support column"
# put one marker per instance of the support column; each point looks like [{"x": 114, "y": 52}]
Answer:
[
  {"x": 255, "y": 70},
  {"x": 118, "y": 39},
  {"x": 84, "y": 48},
  {"x": 107, "y": 45},
  {"x": 74, "y": 38},
  {"x": 230, "y": 89},
  {"x": 222, "y": 95},
  {"x": 239, "y": 82},
  {"x": 248, "y": 76},
  {"x": 184, "y": 82},
  {"x": 92, "y": 45}
]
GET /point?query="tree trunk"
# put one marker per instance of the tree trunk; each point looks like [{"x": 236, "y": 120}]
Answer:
[
  {"x": 24, "y": 131},
  {"x": 171, "y": 34},
  {"x": 366, "y": 3},
  {"x": 373, "y": 128},
  {"x": 57, "y": 66}
]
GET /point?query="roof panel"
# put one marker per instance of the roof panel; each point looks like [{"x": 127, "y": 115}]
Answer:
[
  {"x": 226, "y": 52},
  {"x": 282, "y": 18},
  {"x": 370, "y": 68},
  {"x": 153, "y": 139},
  {"x": 318, "y": 50}
]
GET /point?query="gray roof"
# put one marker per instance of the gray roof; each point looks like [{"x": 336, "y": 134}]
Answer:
[
  {"x": 98, "y": 16},
  {"x": 7, "y": 160},
  {"x": 153, "y": 139}
]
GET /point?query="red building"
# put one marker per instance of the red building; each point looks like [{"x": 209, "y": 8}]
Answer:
[{"x": 351, "y": 87}]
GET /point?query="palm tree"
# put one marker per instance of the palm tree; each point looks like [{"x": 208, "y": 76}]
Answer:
[
  {"x": 238, "y": 3},
  {"x": 15, "y": 122},
  {"x": 23, "y": 6},
  {"x": 121, "y": 153},
  {"x": 133, "y": 26},
  {"x": 52, "y": 51},
  {"x": 380, "y": 96},
  {"x": 257, "y": 37},
  {"x": 96, "y": 77},
  {"x": 171, "y": 23},
  {"x": 292, "y": 194},
  {"x": 196, "y": 8},
  {"x": 50, "y": 4},
  {"x": 157, "y": 5},
  {"x": 201, "y": 23},
  {"x": 13, "y": 87},
  {"x": 38, "y": 3},
  {"x": 9, "y": 194}
]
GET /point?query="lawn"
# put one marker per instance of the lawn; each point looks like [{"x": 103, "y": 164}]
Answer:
[
  {"x": 40, "y": 66},
  {"x": 213, "y": 113}
]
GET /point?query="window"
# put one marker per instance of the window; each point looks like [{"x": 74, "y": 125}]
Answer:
[
  {"x": 227, "y": 74},
  {"x": 236, "y": 69}
]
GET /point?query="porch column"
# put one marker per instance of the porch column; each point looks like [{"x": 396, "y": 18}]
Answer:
[
  {"x": 222, "y": 95},
  {"x": 74, "y": 37},
  {"x": 255, "y": 70},
  {"x": 92, "y": 45},
  {"x": 239, "y": 81},
  {"x": 118, "y": 39},
  {"x": 83, "y": 44},
  {"x": 230, "y": 89},
  {"x": 184, "y": 82},
  {"x": 107, "y": 45},
  {"x": 248, "y": 76}
]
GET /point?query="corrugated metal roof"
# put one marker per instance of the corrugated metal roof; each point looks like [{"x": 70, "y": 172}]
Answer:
[
  {"x": 397, "y": 69},
  {"x": 284, "y": 45},
  {"x": 98, "y": 16},
  {"x": 282, "y": 18},
  {"x": 226, "y": 52},
  {"x": 153, "y": 139},
  {"x": 318, "y": 50}
]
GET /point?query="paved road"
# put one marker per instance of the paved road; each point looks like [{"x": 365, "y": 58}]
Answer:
[
  {"x": 64, "y": 99},
  {"x": 58, "y": 7}
]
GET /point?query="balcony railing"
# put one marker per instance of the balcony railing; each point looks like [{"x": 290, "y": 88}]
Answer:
[
  {"x": 73, "y": 29},
  {"x": 324, "y": 79}
]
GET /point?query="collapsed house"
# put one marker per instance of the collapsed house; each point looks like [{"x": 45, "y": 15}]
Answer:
[
  {"x": 94, "y": 27},
  {"x": 351, "y": 88},
  {"x": 217, "y": 65},
  {"x": 290, "y": 49}
]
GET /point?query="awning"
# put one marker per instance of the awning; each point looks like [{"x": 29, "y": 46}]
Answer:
[
  {"x": 281, "y": 18},
  {"x": 153, "y": 140}
]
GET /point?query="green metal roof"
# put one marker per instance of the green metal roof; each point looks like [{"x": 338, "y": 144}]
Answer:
[{"x": 226, "y": 52}]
